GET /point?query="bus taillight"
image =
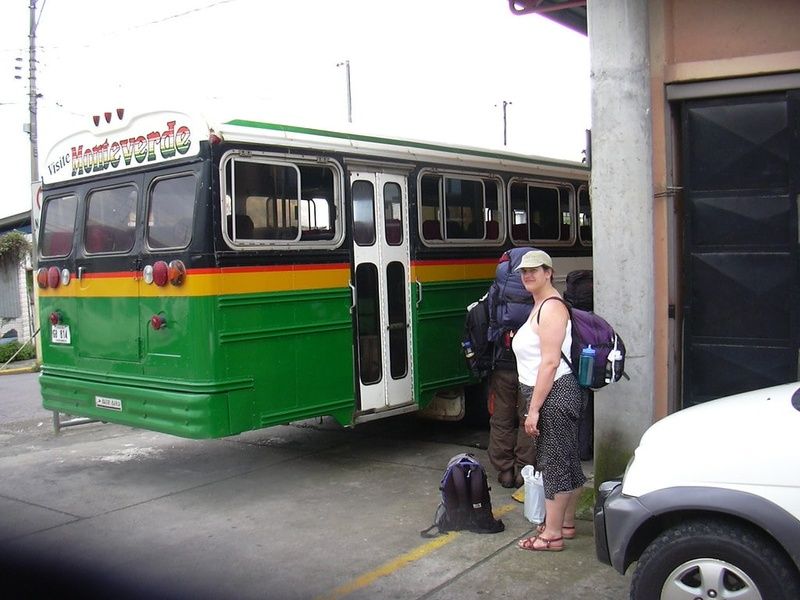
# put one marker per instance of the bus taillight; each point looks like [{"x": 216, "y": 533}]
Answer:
[
  {"x": 176, "y": 272},
  {"x": 53, "y": 277},
  {"x": 157, "y": 322},
  {"x": 160, "y": 273},
  {"x": 41, "y": 278},
  {"x": 65, "y": 276},
  {"x": 55, "y": 317}
]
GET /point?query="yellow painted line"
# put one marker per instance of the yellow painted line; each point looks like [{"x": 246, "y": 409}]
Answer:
[{"x": 401, "y": 561}]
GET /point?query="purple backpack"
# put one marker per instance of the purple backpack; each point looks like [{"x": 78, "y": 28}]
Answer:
[{"x": 590, "y": 329}]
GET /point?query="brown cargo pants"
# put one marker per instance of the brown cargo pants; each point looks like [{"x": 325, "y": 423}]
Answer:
[{"x": 510, "y": 448}]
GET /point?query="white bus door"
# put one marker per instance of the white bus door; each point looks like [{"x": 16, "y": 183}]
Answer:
[{"x": 381, "y": 291}]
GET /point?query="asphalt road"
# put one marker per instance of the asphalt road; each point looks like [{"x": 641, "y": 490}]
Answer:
[{"x": 306, "y": 510}]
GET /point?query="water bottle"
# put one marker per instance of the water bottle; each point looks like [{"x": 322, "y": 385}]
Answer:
[
  {"x": 468, "y": 351},
  {"x": 586, "y": 367}
]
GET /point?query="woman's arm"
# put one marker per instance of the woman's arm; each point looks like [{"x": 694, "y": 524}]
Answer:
[{"x": 553, "y": 317}]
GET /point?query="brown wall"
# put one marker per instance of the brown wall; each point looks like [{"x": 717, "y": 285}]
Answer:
[{"x": 715, "y": 29}]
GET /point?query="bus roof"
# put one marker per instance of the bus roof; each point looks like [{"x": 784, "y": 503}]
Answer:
[
  {"x": 156, "y": 137},
  {"x": 372, "y": 145}
]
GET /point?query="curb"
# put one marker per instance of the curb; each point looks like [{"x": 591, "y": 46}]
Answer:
[{"x": 18, "y": 370}]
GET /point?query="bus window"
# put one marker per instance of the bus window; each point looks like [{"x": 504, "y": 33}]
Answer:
[
  {"x": 370, "y": 365},
  {"x": 471, "y": 207},
  {"x": 59, "y": 224},
  {"x": 316, "y": 203},
  {"x": 464, "y": 207},
  {"x": 541, "y": 212},
  {"x": 279, "y": 202},
  {"x": 393, "y": 214},
  {"x": 110, "y": 220},
  {"x": 398, "y": 326},
  {"x": 363, "y": 213},
  {"x": 430, "y": 207},
  {"x": 169, "y": 217},
  {"x": 584, "y": 216}
]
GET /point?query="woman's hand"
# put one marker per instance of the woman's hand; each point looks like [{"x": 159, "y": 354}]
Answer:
[{"x": 532, "y": 424}]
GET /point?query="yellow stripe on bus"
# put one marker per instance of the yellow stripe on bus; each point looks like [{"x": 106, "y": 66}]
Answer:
[
  {"x": 222, "y": 282},
  {"x": 205, "y": 284},
  {"x": 453, "y": 271}
]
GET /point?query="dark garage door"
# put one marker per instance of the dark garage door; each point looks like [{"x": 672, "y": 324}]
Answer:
[{"x": 740, "y": 256}]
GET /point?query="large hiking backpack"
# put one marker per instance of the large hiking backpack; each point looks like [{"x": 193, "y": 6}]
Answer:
[
  {"x": 509, "y": 302},
  {"x": 478, "y": 349},
  {"x": 465, "y": 503},
  {"x": 579, "y": 291},
  {"x": 590, "y": 329},
  {"x": 492, "y": 320}
]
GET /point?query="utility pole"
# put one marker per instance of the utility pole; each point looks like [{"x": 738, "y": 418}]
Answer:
[
  {"x": 346, "y": 64},
  {"x": 33, "y": 133},
  {"x": 506, "y": 103},
  {"x": 33, "y": 96}
]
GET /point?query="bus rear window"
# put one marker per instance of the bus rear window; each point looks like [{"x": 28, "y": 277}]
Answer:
[
  {"x": 58, "y": 225},
  {"x": 110, "y": 220},
  {"x": 171, "y": 211}
]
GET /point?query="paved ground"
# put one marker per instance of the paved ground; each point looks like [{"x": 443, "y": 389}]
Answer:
[{"x": 307, "y": 510}]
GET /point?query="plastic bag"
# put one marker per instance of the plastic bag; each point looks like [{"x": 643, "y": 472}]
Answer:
[{"x": 534, "y": 495}]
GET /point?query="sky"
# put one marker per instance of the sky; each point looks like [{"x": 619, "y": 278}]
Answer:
[{"x": 434, "y": 70}]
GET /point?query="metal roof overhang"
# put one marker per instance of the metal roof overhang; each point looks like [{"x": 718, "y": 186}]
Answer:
[{"x": 569, "y": 13}]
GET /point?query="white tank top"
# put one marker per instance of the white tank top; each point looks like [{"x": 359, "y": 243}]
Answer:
[{"x": 528, "y": 351}]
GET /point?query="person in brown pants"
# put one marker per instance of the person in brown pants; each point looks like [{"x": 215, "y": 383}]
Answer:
[{"x": 510, "y": 448}]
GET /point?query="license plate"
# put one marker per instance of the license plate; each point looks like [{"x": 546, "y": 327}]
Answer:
[
  {"x": 59, "y": 334},
  {"x": 109, "y": 403}
]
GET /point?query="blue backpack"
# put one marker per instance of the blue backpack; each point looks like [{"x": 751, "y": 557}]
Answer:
[
  {"x": 492, "y": 320},
  {"x": 465, "y": 503},
  {"x": 509, "y": 302}
]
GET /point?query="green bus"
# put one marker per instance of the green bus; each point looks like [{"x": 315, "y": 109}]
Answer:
[{"x": 207, "y": 278}]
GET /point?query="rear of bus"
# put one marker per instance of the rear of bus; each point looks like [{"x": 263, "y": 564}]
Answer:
[
  {"x": 161, "y": 312},
  {"x": 127, "y": 315}
]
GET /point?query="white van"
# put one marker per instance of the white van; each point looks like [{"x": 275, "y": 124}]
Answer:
[{"x": 710, "y": 503}]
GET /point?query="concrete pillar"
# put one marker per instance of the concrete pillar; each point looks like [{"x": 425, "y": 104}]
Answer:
[{"x": 622, "y": 209}]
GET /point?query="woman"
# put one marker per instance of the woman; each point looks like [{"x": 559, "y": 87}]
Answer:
[{"x": 547, "y": 383}]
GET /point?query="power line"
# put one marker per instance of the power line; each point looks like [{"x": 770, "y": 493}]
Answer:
[{"x": 117, "y": 32}]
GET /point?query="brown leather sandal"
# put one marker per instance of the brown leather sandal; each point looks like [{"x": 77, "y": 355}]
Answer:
[
  {"x": 567, "y": 531},
  {"x": 530, "y": 544}
]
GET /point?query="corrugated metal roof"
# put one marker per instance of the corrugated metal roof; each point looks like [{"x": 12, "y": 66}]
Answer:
[{"x": 569, "y": 13}]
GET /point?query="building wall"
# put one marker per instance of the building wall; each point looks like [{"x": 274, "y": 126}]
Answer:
[
  {"x": 23, "y": 324},
  {"x": 638, "y": 48},
  {"x": 622, "y": 213},
  {"x": 724, "y": 29},
  {"x": 692, "y": 42}
]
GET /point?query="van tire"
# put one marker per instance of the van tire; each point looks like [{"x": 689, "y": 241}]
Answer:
[{"x": 686, "y": 551}]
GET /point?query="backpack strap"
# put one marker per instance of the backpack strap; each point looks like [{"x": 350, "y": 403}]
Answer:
[{"x": 569, "y": 311}]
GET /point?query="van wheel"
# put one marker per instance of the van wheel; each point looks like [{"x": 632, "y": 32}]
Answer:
[{"x": 708, "y": 559}]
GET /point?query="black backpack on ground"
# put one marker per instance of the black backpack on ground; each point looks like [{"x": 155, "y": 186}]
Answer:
[{"x": 465, "y": 503}]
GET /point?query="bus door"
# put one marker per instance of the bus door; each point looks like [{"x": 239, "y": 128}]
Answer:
[
  {"x": 107, "y": 277},
  {"x": 381, "y": 289}
]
